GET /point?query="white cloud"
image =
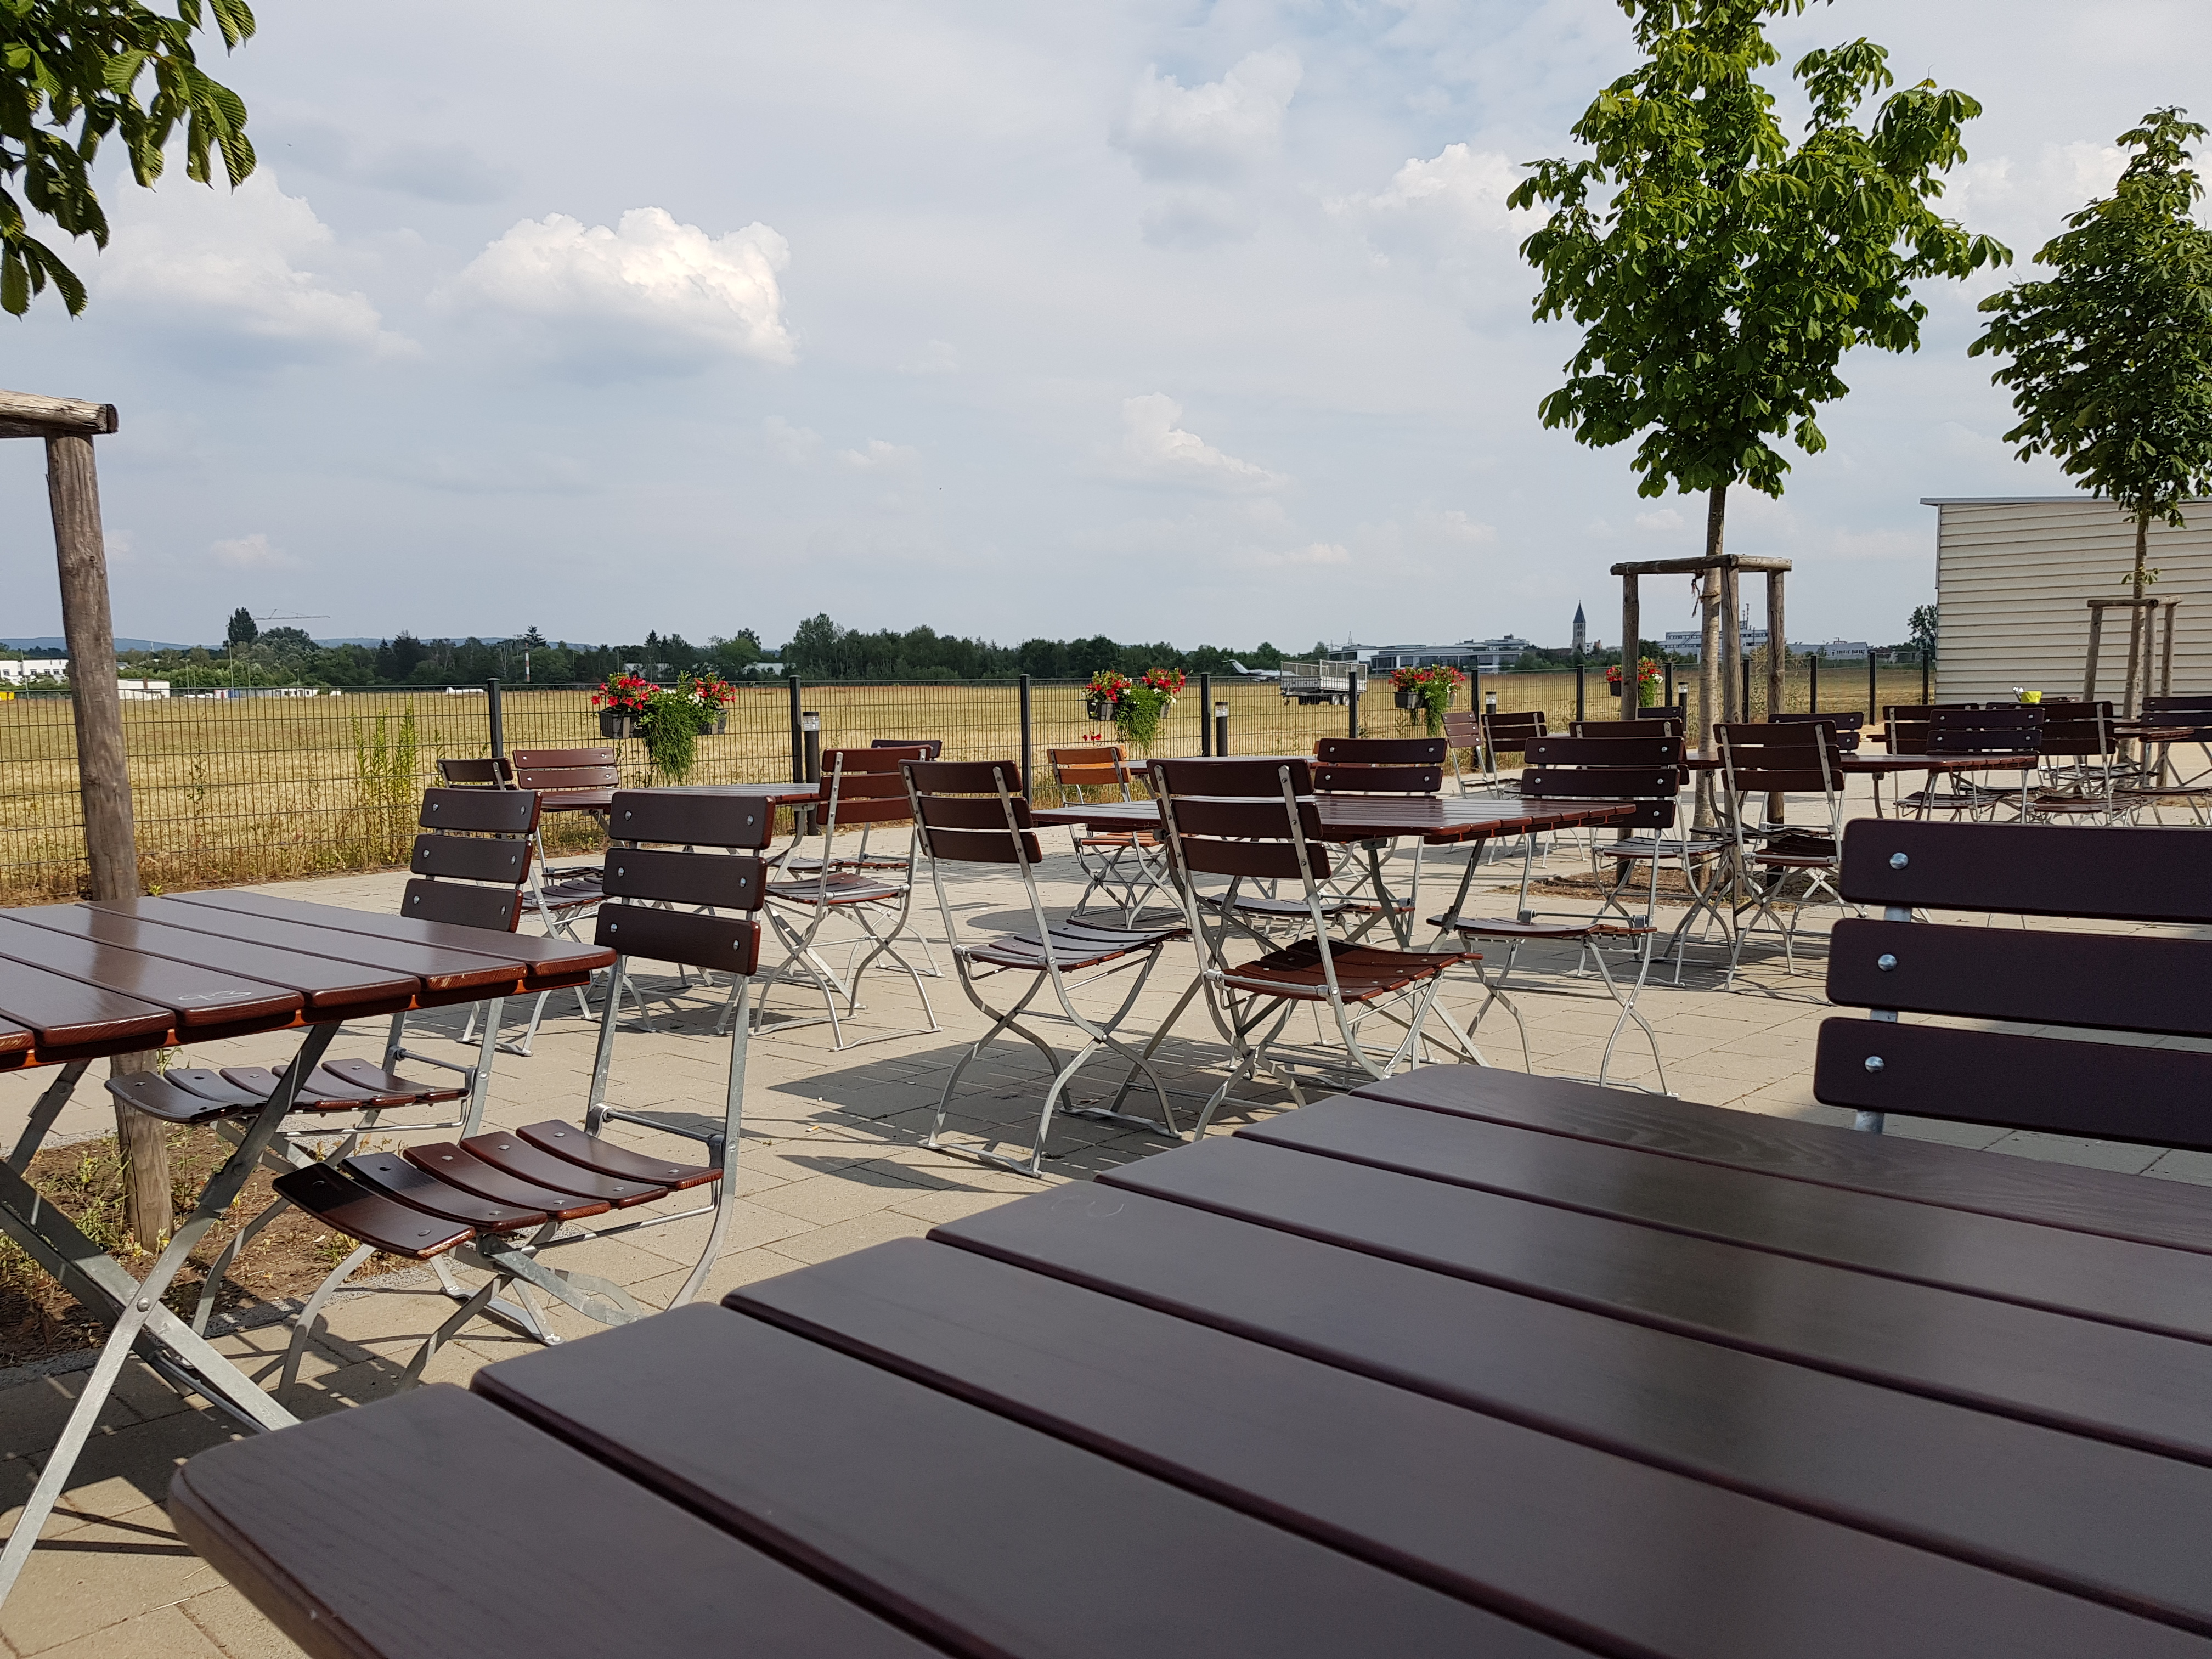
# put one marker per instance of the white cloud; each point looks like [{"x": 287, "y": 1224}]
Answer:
[
  {"x": 1665, "y": 520},
  {"x": 1175, "y": 132},
  {"x": 794, "y": 446},
  {"x": 1315, "y": 555},
  {"x": 654, "y": 284},
  {"x": 880, "y": 456},
  {"x": 1455, "y": 525},
  {"x": 1459, "y": 191},
  {"x": 254, "y": 552},
  {"x": 238, "y": 268},
  {"x": 1196, "y": 216},
  {"x": 1154, "y": 448},
  {"x": 937, "y": 357}
]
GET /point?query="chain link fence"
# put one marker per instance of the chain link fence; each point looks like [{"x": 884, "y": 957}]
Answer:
[{"x": 228, "y": 791}]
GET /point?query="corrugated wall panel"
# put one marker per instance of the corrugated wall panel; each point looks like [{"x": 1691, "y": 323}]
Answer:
[{"x": 2013, "y": 579}]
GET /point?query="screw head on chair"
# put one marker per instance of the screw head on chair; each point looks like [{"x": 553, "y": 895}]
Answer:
[
  {"x": 1885, "y": 961},
  {"x": 1874, "y": 1062},
  {"x": 1898, "y": 861}
]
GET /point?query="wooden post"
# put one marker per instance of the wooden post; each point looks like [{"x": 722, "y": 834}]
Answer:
[
  {"x": 2096, "y": 630},
  {"x": 1731, "y": 646},
  {"x": 1777, "y": 666},
  {"x": 1631, "y": 635},
  {"x": 103, "y": 770}
]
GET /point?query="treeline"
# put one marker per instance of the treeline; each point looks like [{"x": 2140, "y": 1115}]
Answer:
[{"x": 819, "y": 650}]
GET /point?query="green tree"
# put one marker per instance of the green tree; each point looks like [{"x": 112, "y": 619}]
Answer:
[
  {"x": 243, "y": 629},
  {"x": 1720, "y": 274},
  {"x": 1922, "y": 626},
  {"x": 70, "y": 75},
  {"x": 2110, "y": 367}
]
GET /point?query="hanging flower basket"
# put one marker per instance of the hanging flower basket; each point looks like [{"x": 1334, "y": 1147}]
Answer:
[
  {"x": 1425, "y": 693},
  {"x": 1648, "y": 674},
  {"x": 616, "y": 723},
  {"x": 1098, "y": 709},
  {"x": 1408, "y": 698}
]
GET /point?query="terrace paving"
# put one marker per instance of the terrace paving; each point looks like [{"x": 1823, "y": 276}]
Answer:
[{"x": 831, "y": 1162}]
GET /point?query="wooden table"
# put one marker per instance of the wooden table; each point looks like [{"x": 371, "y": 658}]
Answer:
[
  {"x": 1468, "y": 1364},
  {"x": 1368, "y": 821},
  {"x": 80, "y": 981}
]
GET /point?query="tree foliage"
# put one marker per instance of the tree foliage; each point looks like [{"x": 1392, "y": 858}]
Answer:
[
  {"x": 73, "y": 74},
  {"x": 1719, "y": 274},
  {"x": 2110, "y": 367},
  {"x": 242, "y": 629}
]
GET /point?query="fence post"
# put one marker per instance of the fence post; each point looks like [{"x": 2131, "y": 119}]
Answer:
[
  {"x": 1579, "y": 712},
  {"x": 1474, "y": 684},
  {"x": 1745, "y": 664},
  {"x": 1205, "y": 711},
  {"x": 1813, "y": 682},
  {"x": 798, "y": 742},
  {"x": 498, "y": 726},
  {"x": 1668, "y": 669},
  {"x": 1352, "y": 700},
  {"x": 1923, "y": 675},
  {"x": 1026, "y": 750},
  {"x": 1874, "y": 692}
]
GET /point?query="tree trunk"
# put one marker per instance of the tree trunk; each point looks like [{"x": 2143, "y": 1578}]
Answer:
[
  {"x": 104, "y": 781},
  {"x": 2138, "y": 623},
  {"x": 1712, "y": 592}
]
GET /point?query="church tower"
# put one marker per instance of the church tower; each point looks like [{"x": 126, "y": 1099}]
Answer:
[{"x": 1581, "y": 631}]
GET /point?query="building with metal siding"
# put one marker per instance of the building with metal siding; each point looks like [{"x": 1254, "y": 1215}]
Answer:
[{"x": 2014, "y": 576}]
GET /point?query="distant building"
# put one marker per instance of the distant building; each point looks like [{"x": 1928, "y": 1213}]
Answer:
[
  {"x": 1581, "y": 631},
  {"x": 1483, "y": 656},
  {"x": 141, "y": 691},
  {"x": 1834, "y": 650},
  {"x": 1687, "y": 642},
  {"x": 14, "y": 671}
]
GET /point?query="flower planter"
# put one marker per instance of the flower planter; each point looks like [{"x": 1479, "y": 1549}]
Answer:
[
  {"x": 1612, "y": 690},
  {"x": 614, "y": 723},
  {"x": 1099, "y": 708},
  {"x": 720, "y": 726},
  {"x": 1409, "y": 699}
]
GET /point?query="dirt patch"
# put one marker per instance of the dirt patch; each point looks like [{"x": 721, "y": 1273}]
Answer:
[{"x": 288, "y": 1258}]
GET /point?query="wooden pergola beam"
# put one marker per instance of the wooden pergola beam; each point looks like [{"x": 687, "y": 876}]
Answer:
[
  {"x": 1691, "y": 567},
  {"x": 31, "y": 415}
]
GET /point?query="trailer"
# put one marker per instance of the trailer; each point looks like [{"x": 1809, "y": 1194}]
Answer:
[{"x": 1326, "y": 681}]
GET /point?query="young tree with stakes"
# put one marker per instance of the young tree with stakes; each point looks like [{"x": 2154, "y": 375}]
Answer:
[
  {"x": 2111, "y": 355},
  {"x": 1720, "y": 274}
]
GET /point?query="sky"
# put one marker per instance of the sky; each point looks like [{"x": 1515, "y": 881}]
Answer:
[{"x": 1200, "y": 323}]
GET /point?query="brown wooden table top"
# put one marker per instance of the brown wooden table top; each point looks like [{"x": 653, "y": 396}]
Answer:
[
  {"x": 81, "y": 981},
  {"x": 1364, "y": 817},
  {"x": 1468, "y": 1362}
]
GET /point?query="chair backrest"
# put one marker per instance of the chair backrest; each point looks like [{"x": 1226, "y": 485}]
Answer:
[
  {"x": 566, "y": 771},
  {"x": 489, "y": 774},
  {"x": 2146, "y": 984},
  {"x": 1662, "y": 726},
  {"x": 1646, "y": 772},
  {"x": 1091, "y": 766},
  {"x": 2001, "y": 729},
  {"x": 1231, "y": 817},
  {"x": 2077, "y": 730},
  {"x": 1463, "y": 728},
  {"x": 1380, "y": 766},
  {"x": 469, "y": 867},
  {"x": 2194, "y": 711},
  {"x": 1509, "y": 733},
  {"x": 931, "y": 748},
  {"x": 1766, "y": 758},
  {"x": 1907, "y": 724},
  {"x": 971, "y": 812},
  {"x": 861, "y": 786},
  {"x": 641, "y": 879},
  {"x": 1847, "y": 727}
]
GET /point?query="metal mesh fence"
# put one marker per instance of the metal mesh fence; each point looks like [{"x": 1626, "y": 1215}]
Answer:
[{"x": 229, "y": 790}]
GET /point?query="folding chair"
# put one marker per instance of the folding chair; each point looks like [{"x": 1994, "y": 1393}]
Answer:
[
  {"x": 1644, "y": 771},
  {"x": 860, "y": 786},
  {"x": 974, "y": 812},
  {"x": 2082, "y": 772},
  {"x": 566, "y": 781},
  {"x": 2000, "y": 729},
  {"x": 1503, "y": 735},
  {"x": 1255, "y": 820},
  {"x": 2193, "y": 712},
  {"x": 2157, "y": 787},
  {"x": 1849, "y": 727},
  {"x": 470, "y": 867},
  {"x": 1378, "y": 766},
  {"x": 498, "y": 1202},
  {"x": 860, "y": 858},
  {"x": 1758, "y": 761},
  {"x": 1128, "y": 861},
  {"x": 1463, "y": 732}
]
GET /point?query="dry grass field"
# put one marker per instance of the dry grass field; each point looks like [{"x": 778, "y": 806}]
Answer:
[{"x": 229, "y": 792}]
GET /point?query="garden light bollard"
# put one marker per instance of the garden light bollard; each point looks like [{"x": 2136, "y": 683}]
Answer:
[
  {"x": 810, "y": 760},
  {"x": 1579, "y": 714},
  {"x": 492, "y": 711},
  {"x": 1221, "y": 728}
]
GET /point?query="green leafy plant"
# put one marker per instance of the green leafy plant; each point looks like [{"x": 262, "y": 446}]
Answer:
[
  {"x": 1434, "y": 687},
  {"x": 2110, "y": 367},
  {"x": 672, "y": 722},
  {"x": 69, "y": 76},
  {"x": 1719, "y": 273},
  {"x": 384, "y": 787},
  {"x": 1138, "y": 705}
]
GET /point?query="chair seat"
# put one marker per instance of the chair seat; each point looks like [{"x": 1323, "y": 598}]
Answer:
[
  {"x": 835, "y": 887},
  {"x": 578, "y": 892},
  {"x": 319, "y": 1093},
  {"x": 1267, "y": 907},
  {"x": 575, "y": 800},
  {"x": 347, "y": 1207},
  {"x": 795, "y": 866},
  {"x": 1074, "y": 946},
  {"x": 520, "y": 1158},
  {"x": 1363, "y": 973},
  {"x": 1642, "y": 847},
  {"x": 456, "y": 1167},
  {"x": 1119, "y": 838},
  {"x": 367, "y": 1075},
  {"x": 396, "y": 1178},
  {"x": 1792, "y": 861},
  {"x": 2166, "y": 791},
  {"x": 1476, "y": 928},
  {"x": 157, "y": 1096},
  {"x": 565, "y": 1141}
]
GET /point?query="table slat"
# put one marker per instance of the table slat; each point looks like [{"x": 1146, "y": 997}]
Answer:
[
  {"x": 2062, "y": 1509},
  {"x": 323, "y": 982},
  {"x": 437, "y": 967},
  {"x": 984, "y": 1534},
  {"x": 2168, "y": 1212},
  {"x": 1570, "y": 1538},
  {"x": 68, "y": 1013},
  {"x": 2136, "y": 1284},
  {"x": 555, "y": 961},
  {"x": 2098, "y": 1379},
  {"x": 437, "y": 1525},
  {"x": 196, "y": 996}
]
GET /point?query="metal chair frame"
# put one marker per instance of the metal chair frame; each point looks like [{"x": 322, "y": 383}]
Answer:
[
  {"x": 1764, "y": 760},
  {"x": 1103, "y": 857}
]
